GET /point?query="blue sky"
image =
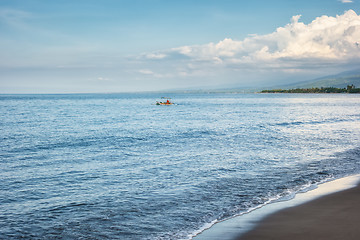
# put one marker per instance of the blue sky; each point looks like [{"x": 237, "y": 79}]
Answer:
[{"x": 140, "y": 45}]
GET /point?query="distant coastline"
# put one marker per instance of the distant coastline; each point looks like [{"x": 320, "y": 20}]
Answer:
[{"x": 348, "y": 89}]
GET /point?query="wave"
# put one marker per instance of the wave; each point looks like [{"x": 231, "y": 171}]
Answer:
[
  {"x": 311, "y": 178},
  {"x": 314, "y": 122},
  {"x": 288, "y": 195}
]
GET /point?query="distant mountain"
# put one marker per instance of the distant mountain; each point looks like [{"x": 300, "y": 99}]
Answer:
[{"x": 340, "y": 80}]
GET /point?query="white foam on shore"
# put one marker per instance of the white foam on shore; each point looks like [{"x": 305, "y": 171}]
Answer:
[
  {"x": 231, "y": 228},
  {"x": 209, "y": 225},
  {"x": 205, "y": 227}
]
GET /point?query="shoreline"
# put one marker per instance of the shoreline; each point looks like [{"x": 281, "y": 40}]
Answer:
[{"x": 241, "y": 225}]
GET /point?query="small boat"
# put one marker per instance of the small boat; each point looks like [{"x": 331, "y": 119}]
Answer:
[{"x": 167, "y": 102}]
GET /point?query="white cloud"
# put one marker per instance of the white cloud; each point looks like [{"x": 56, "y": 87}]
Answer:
[
  {"x": 346, "y": 1},
  {"x": 12, "y": 16},
  {"x": 151, "y": 73},
  {"x": 103, "y": 79},
  {"x": 326, "y": 40},
  {"x": 146, "y": 71},
  {"x": 155, "y": 55}
]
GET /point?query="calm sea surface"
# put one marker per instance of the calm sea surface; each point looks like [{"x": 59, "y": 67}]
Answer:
[{"x": 116, "y": 166}]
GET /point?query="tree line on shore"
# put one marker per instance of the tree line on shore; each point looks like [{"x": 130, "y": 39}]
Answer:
[{"x": 348, "y": 89}]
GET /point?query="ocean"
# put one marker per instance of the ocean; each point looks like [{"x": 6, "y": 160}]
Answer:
[{"x": 117, "y": 166}]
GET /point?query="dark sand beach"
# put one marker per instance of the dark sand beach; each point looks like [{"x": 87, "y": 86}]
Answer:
[{"x": 335, "y": 216}]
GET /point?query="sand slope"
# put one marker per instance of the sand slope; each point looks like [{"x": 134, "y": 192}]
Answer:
[{"x": 335, "y": 216}]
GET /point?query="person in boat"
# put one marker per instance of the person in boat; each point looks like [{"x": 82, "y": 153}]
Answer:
[{"x": 167, "y": 101}]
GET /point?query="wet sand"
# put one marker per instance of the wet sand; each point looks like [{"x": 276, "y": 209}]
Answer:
[{"x": 335, "y": 216}]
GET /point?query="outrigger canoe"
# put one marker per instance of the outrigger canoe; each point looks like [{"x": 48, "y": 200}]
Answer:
[
  {"x": 164, "y": 103},
  {"x": 168, "y": 102}
]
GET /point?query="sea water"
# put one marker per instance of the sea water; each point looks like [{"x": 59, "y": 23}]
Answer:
[{"x": 117, "y": 166}]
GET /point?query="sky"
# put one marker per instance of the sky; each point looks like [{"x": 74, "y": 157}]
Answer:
[{"x": 91, "y": 46}]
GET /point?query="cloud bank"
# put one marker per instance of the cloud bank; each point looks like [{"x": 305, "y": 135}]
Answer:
[{"x": 297, "y": 46}]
